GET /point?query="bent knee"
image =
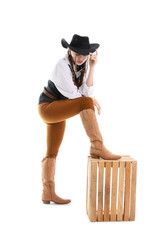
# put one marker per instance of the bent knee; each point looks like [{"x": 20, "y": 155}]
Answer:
[{"x": 87, "y": 102}]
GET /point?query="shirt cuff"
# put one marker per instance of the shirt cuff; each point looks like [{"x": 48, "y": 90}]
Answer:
[{"x": 85, "y": 90}]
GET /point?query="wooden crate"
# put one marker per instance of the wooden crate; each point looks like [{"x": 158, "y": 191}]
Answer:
[{"x": 111, "y": 189}]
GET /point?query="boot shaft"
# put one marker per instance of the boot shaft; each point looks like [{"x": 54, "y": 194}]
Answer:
[
  {"x": 48, "y": 169},
  {"x": 91, "y": 126}
]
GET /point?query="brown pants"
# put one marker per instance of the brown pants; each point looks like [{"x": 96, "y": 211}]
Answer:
[{"x": 55, "y": 114}]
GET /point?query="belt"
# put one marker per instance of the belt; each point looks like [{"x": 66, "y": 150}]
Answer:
[{"x": 48, "y": 94}]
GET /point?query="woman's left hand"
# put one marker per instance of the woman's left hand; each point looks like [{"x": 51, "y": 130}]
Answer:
[
  {"x": 95, "y": 102},
  {"x": 93, "y": 59}
]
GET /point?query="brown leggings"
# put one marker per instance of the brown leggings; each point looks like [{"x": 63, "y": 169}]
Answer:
[{"x": 55, "y": 114}]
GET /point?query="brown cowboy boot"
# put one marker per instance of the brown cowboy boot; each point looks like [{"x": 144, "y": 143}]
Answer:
[
  {"x": 48, "y": 174},
  {"x": 97, "y": 148}
]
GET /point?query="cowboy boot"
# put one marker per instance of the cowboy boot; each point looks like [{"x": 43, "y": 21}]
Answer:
[
  {"x": 97, "y": 148},
  {"x": 48, "y": 175}
]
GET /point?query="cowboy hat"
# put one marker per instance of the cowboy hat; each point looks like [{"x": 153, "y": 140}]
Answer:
[{"x": 80, "y": 45}]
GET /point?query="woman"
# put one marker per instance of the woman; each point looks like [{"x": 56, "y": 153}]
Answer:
[{"x": 66, "y": 95}]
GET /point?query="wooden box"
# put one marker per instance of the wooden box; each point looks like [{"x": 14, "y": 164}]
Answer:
[{"x": 111, "y": 189}]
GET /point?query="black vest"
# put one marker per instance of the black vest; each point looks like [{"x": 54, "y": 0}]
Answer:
[{"x": 51, "y": 88}]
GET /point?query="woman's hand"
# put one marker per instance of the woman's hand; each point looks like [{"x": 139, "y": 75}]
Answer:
[
  {"x": 95, "y": 102},
  {"x": 93, "y": 59}
]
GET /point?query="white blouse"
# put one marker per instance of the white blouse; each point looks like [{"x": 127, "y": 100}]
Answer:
[{"x": 62, "y": 78}]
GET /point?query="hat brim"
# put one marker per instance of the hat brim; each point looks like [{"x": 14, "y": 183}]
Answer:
[
  {"x": 92, "y": 49},
  {"x": 64, "y": 43}
]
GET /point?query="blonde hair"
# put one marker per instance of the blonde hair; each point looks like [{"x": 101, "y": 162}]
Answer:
[{"x": 83, "y": 72}]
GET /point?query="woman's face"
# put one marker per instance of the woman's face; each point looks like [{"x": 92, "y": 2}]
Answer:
[{"x": 78, "y": 59}]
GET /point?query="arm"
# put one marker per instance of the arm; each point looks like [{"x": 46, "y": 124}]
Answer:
[
  {"x": 90, "y": 77},
  {"x": 87, "y": 88}
]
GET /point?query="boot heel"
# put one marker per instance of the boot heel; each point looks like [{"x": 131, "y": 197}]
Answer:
[
  {"x": 94, "y": 156},
  {"x": 46, "y": 202}
]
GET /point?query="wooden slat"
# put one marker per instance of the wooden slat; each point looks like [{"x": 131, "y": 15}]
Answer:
[
  {"x": 114, "y": 191},
  {"x": 107, "y": 191},
  {"x": 121, "y": 192},
  {"x": 133, "y": 191},
  {"x": 127, "y": 191},
  {"x": 92, "y": 190},
  {"x": 100, "y": 191},
  {"x": 87, "y": 190},
  {"x": 125, "y": 158}
]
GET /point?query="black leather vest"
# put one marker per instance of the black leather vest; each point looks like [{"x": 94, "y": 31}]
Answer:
[{"x": 51, "y": 88}]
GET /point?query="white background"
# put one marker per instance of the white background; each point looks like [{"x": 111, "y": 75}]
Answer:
[{"x": 126, "y": 79}]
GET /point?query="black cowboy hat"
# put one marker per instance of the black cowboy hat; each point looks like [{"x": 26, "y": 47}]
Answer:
[{"x": 80, "y": 45}]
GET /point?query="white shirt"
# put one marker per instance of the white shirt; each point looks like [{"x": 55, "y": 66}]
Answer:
[{"x": 62, "y": 78}]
